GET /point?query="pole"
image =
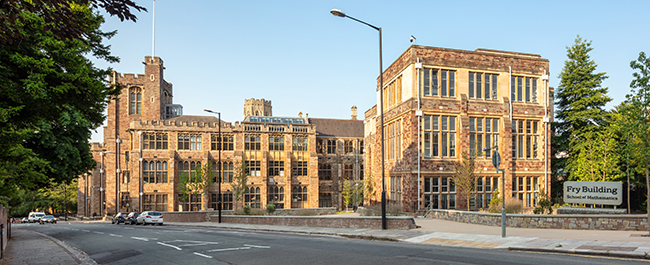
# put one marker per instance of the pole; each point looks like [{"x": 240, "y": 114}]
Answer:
[
  {"x": 496, "y": 161},
  {"x": 220, "y": 170},
  {"x": 503, "y": 202},
  {"x": 339, "y": 13},
  {"x": 101, "y": 187},
  {"x": 86, "y": 194},
  {"x": 383, "y": 159},
  {"x": 65, "y": 200},
  {"x": 141, "y": 184}
]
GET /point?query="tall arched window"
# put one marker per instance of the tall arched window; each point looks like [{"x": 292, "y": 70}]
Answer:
[{"x": 135, "y": 101}]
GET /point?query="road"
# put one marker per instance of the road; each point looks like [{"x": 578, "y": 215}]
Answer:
[{"x": 122, "y": 244}]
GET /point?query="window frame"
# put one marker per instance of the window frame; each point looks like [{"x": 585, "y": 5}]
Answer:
[
  {"x": 525, "y": 138},
  {"x": 523, "y": 89},
  {"x": 487, "y": 88},
  {"x": 439, "y": 138},
  {"x": 227, "y": 142},
  {"x": 155, "y": 171}
]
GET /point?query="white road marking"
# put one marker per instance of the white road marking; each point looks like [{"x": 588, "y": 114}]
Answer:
[
  {"x": 129, "y": 228},
  {"x": 115, "y": 235},
  {"x": 85, "y": 230},
  {"x": 101, "y": 233},
  {"x": 229, "y": 249},
  {"x": 168, "y": 245},
  {"x": 140, "y": 238},
  {"x": 202, "y": 255},
  {"x": 254, "y": 246},
  {"x": 190, "y": 243}
]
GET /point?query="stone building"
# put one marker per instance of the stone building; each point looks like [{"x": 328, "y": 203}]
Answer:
[
  {"x": 442, "y": 103},
  {"x": 149, "y": 143}
]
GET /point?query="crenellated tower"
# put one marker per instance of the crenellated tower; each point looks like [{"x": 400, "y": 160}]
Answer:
[{"x": 257, "y": 107}]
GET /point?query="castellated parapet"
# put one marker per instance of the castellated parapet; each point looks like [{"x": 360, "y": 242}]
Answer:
[{"x": 257, "y": 107}]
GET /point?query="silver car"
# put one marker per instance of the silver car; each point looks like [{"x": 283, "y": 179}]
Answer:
[{"x": 149, "y": 217}]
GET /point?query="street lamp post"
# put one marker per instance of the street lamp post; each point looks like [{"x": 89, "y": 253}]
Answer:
[
  {"x": 102, "y": 172},
  {"x": 340, "y": 13},
  {"x": 496, "y": 161},
  {"x": 220, "y": 165},
  {"x": 85, "y": 194}
]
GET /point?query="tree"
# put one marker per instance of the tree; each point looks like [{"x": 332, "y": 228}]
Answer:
[
  {"x": 597, "y": 157},
  {"x": 346, "y": 193},
  {"x": 239, "y": 182},
  {"x": 53, "y": 96},
  {"x": 60, "y": 16},
  {"x": 196, "y": 182},
  {"x": 465, "y": 176},
  {"x": 638, "y": 106},
  {"x": 580, "y": 106},
  {"x": 370, "y": 191}
]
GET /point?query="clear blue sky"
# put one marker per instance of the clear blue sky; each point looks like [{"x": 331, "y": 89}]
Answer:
[{"x": 303, "y": 59}]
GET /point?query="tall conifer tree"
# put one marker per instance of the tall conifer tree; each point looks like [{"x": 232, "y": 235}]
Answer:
[{"x": 580, "y": 101}]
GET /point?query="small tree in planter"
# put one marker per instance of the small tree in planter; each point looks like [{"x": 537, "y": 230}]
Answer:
[
  {"x": 196, "y": 182},
  {"x": 347, "y": 194},
  {"x": 465, "y": 177},
  {"x": 239, "y": 182}
]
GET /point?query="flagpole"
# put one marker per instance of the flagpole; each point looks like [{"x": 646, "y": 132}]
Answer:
[{"x": 153, "y": 38}]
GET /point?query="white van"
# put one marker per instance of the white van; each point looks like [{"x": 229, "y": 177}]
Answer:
[{"x": 34, "y": 217}]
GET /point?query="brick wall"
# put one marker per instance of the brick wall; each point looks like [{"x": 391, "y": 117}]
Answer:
[
  {"x": 633, "y": 222},
  {"x": 372, "y": 222}
]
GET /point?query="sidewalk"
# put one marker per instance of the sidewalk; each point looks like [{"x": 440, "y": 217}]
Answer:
[
  {"x": 628, "y": 244},
  {"x": 28, "y": 247}
]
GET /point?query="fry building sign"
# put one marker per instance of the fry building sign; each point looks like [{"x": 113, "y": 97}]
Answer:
[{"x": 608, "y": 193}]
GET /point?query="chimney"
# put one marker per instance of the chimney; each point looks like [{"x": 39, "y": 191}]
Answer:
[{"x": 354, "y": 112}]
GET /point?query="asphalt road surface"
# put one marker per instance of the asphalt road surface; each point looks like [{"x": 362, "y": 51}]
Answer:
[{"x": 130, "y": 244}]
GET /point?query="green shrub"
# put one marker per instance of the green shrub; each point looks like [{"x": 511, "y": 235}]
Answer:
[
  {"x": 495, "y": 203},
  {"x": 247, "y": 209},
  {"x": 544, "y": 204},
  {"x": 270, "y": 208}
]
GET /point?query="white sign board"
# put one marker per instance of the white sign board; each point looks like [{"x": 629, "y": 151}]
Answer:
[{"x": 608, "y": 193}]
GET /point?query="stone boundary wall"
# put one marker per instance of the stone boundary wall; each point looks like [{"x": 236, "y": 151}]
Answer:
[
  {"x": 357, "y": 222},
  {"x": 631, "y": 222},
  {"x": 202, "y": 216},
  {"x": 185, "y": 217},
  {"x": 585, "y": 210}
]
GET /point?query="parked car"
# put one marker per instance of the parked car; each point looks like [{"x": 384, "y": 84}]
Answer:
[
  {"x": 25, "y": 220},
  {"x": 119, "y": 218},
  {"x": 34, "y": 217},
  {"x": 149, "y": 217},
  {"x": 131, "y": 218},
  {"x": 50, "y": 219}
]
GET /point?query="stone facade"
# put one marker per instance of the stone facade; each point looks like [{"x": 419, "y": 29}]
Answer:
[
  {"x": 147, "y": 147},
  {"x": 415, "y": 175}
]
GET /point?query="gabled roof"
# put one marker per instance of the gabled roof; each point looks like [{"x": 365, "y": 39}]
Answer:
[{"x": 338, "y": 128}]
